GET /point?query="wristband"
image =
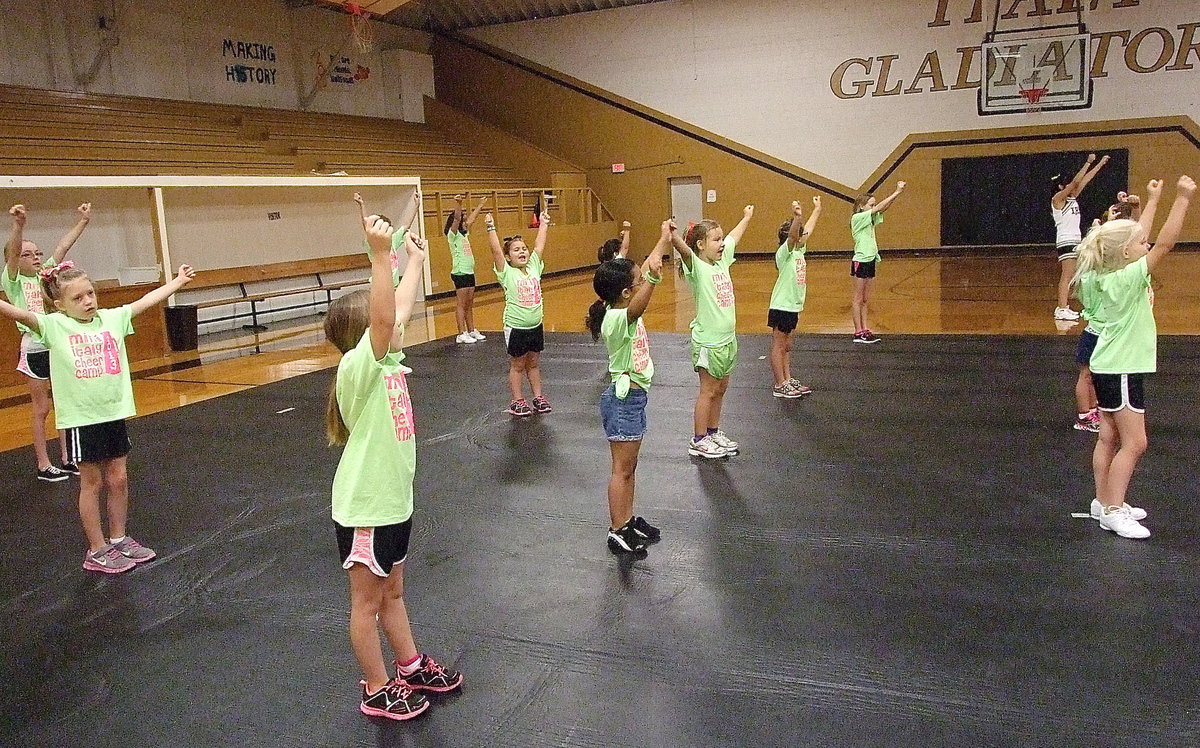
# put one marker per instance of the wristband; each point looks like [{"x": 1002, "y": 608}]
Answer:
[
  {"x": 491, "y": 227},
  {"x": 651, "y": 278}
]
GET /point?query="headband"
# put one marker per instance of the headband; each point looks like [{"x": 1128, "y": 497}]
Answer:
[{"x": 49, "y": 274}]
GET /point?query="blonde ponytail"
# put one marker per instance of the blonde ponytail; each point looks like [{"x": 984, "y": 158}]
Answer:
[{"x": 1102, "y": 250}]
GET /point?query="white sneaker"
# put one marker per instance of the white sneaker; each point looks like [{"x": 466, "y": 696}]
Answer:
[
  {"x": 477, "y": 335},
  {"x": 1064, "y": 312},
  {"x": 724, "y": 442},
  {"x": 1122, "y": 523},
  {"x": 465, "y": 338},
  {"x": 706, "y": 448},
  {"x": 1136, "y": 512}
]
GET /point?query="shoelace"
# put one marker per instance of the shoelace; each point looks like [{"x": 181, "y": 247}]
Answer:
[
  {"x": 398, "y": 689},
  {"x": 432, "y": 666}
]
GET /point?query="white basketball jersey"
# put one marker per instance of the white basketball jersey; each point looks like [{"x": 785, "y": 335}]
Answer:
[{"x": 1066, "y": 224}]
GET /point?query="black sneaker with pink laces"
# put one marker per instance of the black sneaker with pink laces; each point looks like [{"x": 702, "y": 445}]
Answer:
[
  {"x": 541, "y": 404},
  {"x": 430, "y": 676},
  {"x": 396, "y": 700}
]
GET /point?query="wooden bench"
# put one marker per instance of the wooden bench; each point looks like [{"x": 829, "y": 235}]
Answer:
[{"x": 240, "y": 282}]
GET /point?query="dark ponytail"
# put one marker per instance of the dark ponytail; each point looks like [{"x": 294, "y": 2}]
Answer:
[{"x": 610, "y": 280}]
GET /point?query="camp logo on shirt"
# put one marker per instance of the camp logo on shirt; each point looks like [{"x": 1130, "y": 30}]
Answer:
[
  {"x": 801, "y": 272},
  {"x": 395, "y": 258},
  {"x": 401, "y": 405},
  {"x": 96, "y": 354},
  {"x": 724, "y": 289},
  {"x": 32, "y": 288},
  {"x": 529, "y": 291},
  {"x": 641, "y": 348}
]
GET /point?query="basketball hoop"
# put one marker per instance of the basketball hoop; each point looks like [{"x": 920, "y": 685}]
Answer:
[
  {"x": 361, "y": 27},
  {"x": 1032, "y": 90}
]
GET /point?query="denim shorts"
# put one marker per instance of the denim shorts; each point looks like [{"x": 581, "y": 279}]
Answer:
[{"x": 624, "y": 420}]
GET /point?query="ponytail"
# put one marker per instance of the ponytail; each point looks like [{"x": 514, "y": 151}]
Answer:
[
  {"x": 595, "y": 317},
  {"x": 335, "y": 428},
  {"x": 610, "y": 281}
]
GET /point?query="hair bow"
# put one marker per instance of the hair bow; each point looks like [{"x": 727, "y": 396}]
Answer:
[{"x": 51, "y": 273}]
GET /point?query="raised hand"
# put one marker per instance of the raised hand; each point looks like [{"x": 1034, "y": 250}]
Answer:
[
  {"x": 19, "y": 214},
  {"x": 1154, "y": 188},
  {"x": 816, "y": 202},
  {"x": 748, "y": 211},
  {"x": 379, "y": 234},
  {"x": 1186, "y": 186},
  {"x": 415, "y": 246},
  {"x": 626, "y": 225},
  {"x": 797, "y": 209},
  {"x": 489, "y": 221},
  {"x": 459, "y": 199},
  {"x": 358, "y": 199},
  {"x": 85, "y": 211},
  {"x": 900, "y": 186},
  {"x": 544, "y": 217},
  {"x": 186, "y": 274}
]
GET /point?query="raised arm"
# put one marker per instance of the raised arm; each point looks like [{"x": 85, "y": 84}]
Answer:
[
  {"x": 1070, "y": 189},
  {"x": 539, "y": 241},
  {"x": 1089, "y": 175},
  {"x": 24, "y": 316},
  {"x": 456, "y": 215},
  {"x": 887, "y": 201},
  {"x": 382, "y": 302},
  {"x": 1169, "y": 234},
  {"x": 362, "y": 208},
  {"x": 1153, "y": 193},
  {"x": 160, "y": 294},
  {"x": 651, "y": 271},
  {"x": 625, "y": 231},
  {"x": 494, "y": 242},
  {"x": 736, "y": 233},
  {"x": 795, "y": 230},
  {"x": 72, "y": 236},
  {"x": 812, "y": 218},
  {"x": 681, "y": 246},
  {"x": 412, "y": 213},
  {"x": 12, "y": 249},
  {"x": 475, "y": 212},
  {"x": 406, "y": 292}
]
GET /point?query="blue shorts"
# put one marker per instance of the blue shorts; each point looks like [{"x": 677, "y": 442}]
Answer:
[
  {"x": 624, "y": 420},
  {"x": 1087, "y": 344}
]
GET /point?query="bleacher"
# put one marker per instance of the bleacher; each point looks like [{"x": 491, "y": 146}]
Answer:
[{"x": 60, "y": 132}]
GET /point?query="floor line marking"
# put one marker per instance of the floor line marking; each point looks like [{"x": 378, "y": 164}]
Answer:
[{"x": 285, "y": 410}]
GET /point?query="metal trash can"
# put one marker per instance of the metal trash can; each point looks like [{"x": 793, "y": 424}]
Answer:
[{"x": 182, "y": 327}]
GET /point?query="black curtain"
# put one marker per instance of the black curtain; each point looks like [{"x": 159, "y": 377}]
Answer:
[{"x": 997, "y": 200}]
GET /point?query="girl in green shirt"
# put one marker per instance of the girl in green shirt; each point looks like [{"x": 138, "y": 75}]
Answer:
[
  {"x": 706, "y": 257},
  {"x": 616, "y": 317},
  {"x": 369, "y": 411},
  {"x": 93, "y": 397},
  {"x": 1116, "y": 260},
  {"x": 21, "y": 283},
  {"x": 462, "y": 269},
  {"x": 788, "y": 296},
  {"x": 519, "y": 271},
  {"x": 867, "y": 215}
]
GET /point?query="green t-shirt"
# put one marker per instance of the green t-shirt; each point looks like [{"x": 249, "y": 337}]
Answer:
[
  {"x": 397, "y": 243},
  {"x": 1089, "y": 296},
  {"x": 25, "y": 291},
  {"x": 628, "y": 351},
  {"x": 462, "y": 261},
  {"x": 522, "y": 293},
  {"x": 791, "y": 286},
  {"x": 1128, "y": 341},
  {"x": 716, "y": 315},
  {"x": 862, "y": 227},
  {"x": 373, "y": 485},
  {"x": 89, "y": 367}
]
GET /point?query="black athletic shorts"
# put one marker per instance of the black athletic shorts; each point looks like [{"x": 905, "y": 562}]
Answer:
[
  {"x": 463, "y": 281},
  {"x": 1117, "y": 391},
  {"x": 521, "y": 341},
  {"x": 1067, "y": 252},
  {"x": 1087, "y": 345},
  {"x": 35, "y": 364},
  {"x": 862, "y": 269},
  {"x": 784, "y": 322},
  {"x": 99, "y": 441},
  {"x": 377, "y": 548}
]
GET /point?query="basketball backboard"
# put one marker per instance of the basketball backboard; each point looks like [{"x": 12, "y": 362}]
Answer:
[{"x": 1029, "y": 71}]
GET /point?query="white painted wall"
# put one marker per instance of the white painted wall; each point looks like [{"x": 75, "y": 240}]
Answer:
[
  {"x": 760, "y": 72},
  {"x": 183, "y": 49}
]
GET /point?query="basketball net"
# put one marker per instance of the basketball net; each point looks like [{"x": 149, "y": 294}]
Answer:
[
  {"x": 361, "y": 27},
  {"x": 1032, "y": 91}
]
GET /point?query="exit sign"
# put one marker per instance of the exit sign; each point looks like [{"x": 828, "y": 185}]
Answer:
[{"x": 618, "y": 168}]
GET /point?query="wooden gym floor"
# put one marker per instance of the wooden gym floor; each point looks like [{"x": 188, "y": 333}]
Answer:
[{"x": 1000, "y": 295}]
